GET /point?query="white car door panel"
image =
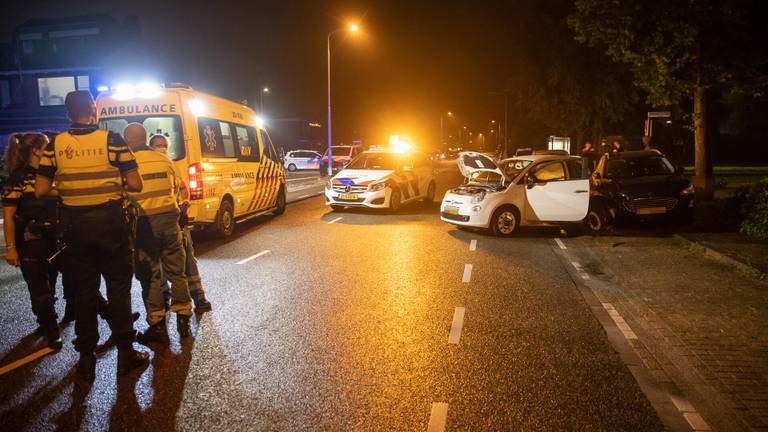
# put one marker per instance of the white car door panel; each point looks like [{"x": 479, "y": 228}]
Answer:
[{"x": 559, "y": 201}]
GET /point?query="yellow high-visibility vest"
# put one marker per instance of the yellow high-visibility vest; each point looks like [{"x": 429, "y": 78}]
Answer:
[
  {"x": 160, "y": 184},
  {"x": 84, "y": 174}
]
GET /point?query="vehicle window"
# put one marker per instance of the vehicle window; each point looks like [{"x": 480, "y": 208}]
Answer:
[
  {"x": 514, "y": 167},
  {"x": 375, "y": 161},
  {"x": 226, "y": 137},
  {"x": 212, "y": 142},
  {"x": 638, "y": 167},
  {"x": 485, "y": 178},
  {"x": 549, "y": 171},
  {"x": 246, "y": 143},
  {"x": 575, "y": 169},
  {"x": 269, "y": 149},
  {"x": 170, "y": 125}
]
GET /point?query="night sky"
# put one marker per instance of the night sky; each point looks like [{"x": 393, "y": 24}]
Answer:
[{"x": 414, "y": 60}]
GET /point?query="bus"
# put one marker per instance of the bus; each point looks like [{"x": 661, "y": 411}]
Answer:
[{"x": 221, "y": 148}]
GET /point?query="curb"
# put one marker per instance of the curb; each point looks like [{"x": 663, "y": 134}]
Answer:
[{"x": 724, "y": 259}]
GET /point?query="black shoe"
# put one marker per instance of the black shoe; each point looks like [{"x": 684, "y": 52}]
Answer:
[
  {"x": 86, "y": 367},
  {"x": 54, "y": 338},
  {"x": 182, "y": 325},
  {"x": 155, "y": 333},
  {"x": 67, "y": 319},
  {"x": 130, "y": 359},
  {"x": 203, "y": 305}
]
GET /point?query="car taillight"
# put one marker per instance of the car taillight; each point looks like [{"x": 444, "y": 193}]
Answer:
[{"x": 195, "y": 181}]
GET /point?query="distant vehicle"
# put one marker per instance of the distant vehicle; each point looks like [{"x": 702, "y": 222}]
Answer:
[
  {"x": 524, "y": 151},
  {"x": 638, "y": 184},
  {"x": 342, "y": 155},
  {"x": 302, "y": 160},
  {"x": 225, "y": 156},
  {"x": 382, "y": 179},
  {"x": 521, "y": 191}
]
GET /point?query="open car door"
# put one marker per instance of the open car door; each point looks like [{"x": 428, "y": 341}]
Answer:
[{"x": 558, "y": 191}]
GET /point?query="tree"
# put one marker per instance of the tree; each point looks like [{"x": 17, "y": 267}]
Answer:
[{"x": 678, "y": 50}]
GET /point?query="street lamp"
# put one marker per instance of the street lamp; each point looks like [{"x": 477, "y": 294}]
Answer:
[
  {"x": 352, "y": 28},
  {"x": 442, "y": 141},
  {"x": 261, "y": 99}
]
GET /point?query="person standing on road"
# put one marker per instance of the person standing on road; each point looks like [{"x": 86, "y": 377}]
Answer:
[
  {"x": 616, "y": 146},
  {"x": 590, "y": 153},
  {"x": 93, "y": 168},
  {"x": 30, "y": 230},
  {"x": 159, "y": 143},
  {"x": 158, "y": 243}
]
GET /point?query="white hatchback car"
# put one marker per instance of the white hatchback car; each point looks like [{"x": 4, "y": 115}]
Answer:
[
  {"x": 542, "y": 189},
  {"x": 302, "y": 160}
]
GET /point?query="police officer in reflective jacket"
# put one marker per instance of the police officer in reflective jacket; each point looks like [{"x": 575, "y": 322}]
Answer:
[
  {"x": 92, "y": 169},
  {"x": 158, "y": 241}
]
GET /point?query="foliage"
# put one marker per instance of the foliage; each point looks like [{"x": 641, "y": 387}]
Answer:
[{"x": 755, "y": 211}]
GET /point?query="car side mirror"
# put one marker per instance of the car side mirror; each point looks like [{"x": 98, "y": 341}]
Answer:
[{"x": 679, "y": 170}]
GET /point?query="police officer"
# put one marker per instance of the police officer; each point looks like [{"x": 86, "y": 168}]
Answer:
[
  {"x": 93, "y": 168},
  {"x": 158, "y": 242},
  {"x": 30, "y": 230},
  {"x": 159, "y": 143}
]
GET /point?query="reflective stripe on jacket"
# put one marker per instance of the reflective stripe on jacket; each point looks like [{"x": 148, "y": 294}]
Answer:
[{"x": 160, "y": 183}]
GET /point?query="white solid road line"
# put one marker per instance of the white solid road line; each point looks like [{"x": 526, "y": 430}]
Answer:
[
  {"x": 306, "y": 196},
  {"x": 253, "y": 257},
  {"x": 456, "y": 325},
  {"x": 560, "y": 243},
  {"x": 619, "y": 320},
  {"x": 438, "y": 417},
  {"x": 467, "y": 273},
  {"x": 22, "y": 361},
  {"x": 335, "y": 220},
  {"x": 473, "y": 245}
]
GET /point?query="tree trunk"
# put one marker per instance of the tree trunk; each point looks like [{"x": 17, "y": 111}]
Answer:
[{"x": 703, "y": 181}]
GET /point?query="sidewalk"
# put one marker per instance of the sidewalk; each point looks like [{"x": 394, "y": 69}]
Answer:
[{"x": 751, "y": 253}]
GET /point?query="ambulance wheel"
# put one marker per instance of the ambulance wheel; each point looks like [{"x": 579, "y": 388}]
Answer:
[
  {"x": 280, "y": 203},
  {"x": 430, "y": 193},
  {"x": 226, "y": 219},
  {"x": 505, "y": 221},
  {"x": 291, "y": 167},
  {"x": 394, "y": 200},
  {"x": 337, "y": 208}
]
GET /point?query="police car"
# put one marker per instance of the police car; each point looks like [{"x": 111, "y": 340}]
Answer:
[
  {"x": 539, "y": 189},
  {"x": 382, "y": 178},
  {"x": 302, "y": 160}
]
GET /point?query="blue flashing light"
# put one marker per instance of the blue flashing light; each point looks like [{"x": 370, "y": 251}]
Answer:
[{"x": 102, "y": 88}]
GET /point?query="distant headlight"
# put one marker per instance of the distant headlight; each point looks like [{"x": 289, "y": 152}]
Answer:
[
  {"x": 477, "y": 198},
  {"x": 688, "y": 191},
  {"x": 377, "y": 186}
]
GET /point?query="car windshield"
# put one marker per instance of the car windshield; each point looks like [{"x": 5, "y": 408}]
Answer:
[
  {"x": 513, "y": 167},
  {"x": 638, "y": 167},
  {"x": 375, "y": 161},
  {"x": 166, "y": 125},
  {"x": 338, "y": 151},
  {"x": 485, "y": 178}
]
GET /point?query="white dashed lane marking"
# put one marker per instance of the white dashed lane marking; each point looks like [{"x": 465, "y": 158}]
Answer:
[
  {"x": 467, "y": 276},
  {"x": 438, "y": 417},
  {"x": 560, "y": 244},
  {"x": 22, "y": 361},
  {"x": 253, "y": 257},
  {"x": 335, "y": 220},
  {"x": 456, "y": 326},
  {"x": 619, "y": 320},
  {"x": 472, "y": 245},
  {"x": 579, "y": 270}
]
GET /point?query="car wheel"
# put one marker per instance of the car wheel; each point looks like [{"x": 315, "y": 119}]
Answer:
[
  {"x": 336, "y": 208},
  {"x": 226, "y": 219},
  {"x": 291, "y": 167},
  {"x": 504, "y": 222},
  {"x": 430, "y": 193},
  {"x": 280, "y": 203},
  {"x": 394, "y": 200},
  {"x": 597, "y": 219}
]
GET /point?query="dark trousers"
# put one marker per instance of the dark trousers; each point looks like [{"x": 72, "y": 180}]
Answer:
[
  {"x": 40, "y": 276},
  {"x": 98, "y": 247}
]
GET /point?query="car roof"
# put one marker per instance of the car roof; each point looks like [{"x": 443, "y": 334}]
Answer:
[
  {"x": 536, "y": 158},
  {"x": 636, "y": 154}
]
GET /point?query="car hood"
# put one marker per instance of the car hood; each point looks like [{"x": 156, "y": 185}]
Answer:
[
  {"x": 650, "y": 186},
  {"x": 360, "y": 177},
  {"x": 470, "y": 162}
]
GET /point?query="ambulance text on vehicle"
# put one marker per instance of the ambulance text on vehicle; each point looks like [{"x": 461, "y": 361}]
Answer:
[{"x": 224, "y": 154}]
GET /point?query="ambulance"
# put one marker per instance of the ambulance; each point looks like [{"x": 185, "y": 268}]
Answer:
[
  {"x": 221, "y": 148},
  {"x": 382, "y": 178}
]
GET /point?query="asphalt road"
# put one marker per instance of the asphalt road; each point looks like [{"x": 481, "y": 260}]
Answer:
[{"x": 349, "y": 321}]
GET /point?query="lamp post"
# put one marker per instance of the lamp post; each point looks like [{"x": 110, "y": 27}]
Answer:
[
  {"x": 442, "y": 140},
  {"x": 353, "y": 28},
  {"x": 261, "y": 100}
]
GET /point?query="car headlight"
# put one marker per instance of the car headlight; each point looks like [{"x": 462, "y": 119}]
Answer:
[
  {"x": 688, "y": 191},
  {"x": 377, "y": 186},
  {"x": 477, "y": 198}
]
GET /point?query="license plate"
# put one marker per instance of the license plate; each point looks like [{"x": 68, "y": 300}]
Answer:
[
  {"x": 451, "y": 210},
  {"x": 651, "y": 210},
  {"x": 348, "y": 196}
]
